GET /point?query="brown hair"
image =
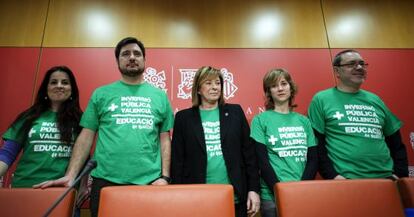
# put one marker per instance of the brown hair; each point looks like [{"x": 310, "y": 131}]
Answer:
[
  {"x": 205, "y": 73},
  {"x": 270, "y": 79}
]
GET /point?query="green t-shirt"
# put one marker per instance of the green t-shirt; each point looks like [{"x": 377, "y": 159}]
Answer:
[
  {"x": 129, "y": 120},
  {"x": 355, "y": 125},
  {"x": 216, "y": 167},
  {"x": 44, "y": 157},
  {"x": 287, "y": 138}
]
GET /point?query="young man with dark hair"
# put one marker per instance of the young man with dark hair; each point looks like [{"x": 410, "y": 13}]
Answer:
[{"x": 133, "y": 119}]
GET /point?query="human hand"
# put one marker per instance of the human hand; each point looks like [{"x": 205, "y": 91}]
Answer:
[
  {"x": 394, "y": 177},
  {"x": 65, "y": 181},
  {"x": 253, "y": 203},
  {"x": 160, "y": 181},
  {"x": 339, "y": 177}
]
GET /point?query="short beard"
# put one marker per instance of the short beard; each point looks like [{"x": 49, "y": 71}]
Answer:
[{"x": 132, "y": 73}]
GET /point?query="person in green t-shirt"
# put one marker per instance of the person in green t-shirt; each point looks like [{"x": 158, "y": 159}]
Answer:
[
  {"x": 285, "y": 144},
  {"x": 133, "y": 120},
  {"x": 45, "y": 131},
  {"x": 358, "y": 136},
  {"x": 211, "y": 144}
]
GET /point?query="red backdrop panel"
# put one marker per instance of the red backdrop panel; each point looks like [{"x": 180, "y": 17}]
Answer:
[
  {"x": 247, "y": 68},
  {"x": 92, "y": 67},
  {"x": 17, "y": 75},
  {"x": 389, "y": 75},
  {"x": 18, "y": 70},
  {"x": 96, "y": 66}
]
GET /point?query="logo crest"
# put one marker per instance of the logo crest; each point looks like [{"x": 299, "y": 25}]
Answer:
[
  {"x": 187, "y": 76},
  {"x": 229, "y": 88},
  {"x": 184, "y": 88},
  {"x": 155, "y": 78}
]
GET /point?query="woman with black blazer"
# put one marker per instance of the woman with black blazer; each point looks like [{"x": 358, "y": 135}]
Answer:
[{"x": 210, "y": 143}]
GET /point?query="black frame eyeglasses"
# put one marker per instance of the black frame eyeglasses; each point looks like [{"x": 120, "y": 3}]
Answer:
[{"x": 354, "y": 64}]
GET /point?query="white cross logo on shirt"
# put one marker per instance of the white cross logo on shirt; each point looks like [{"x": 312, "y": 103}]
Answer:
[
  {"x": 272, "y": 140},
  {"x": 31, "y": 132},
  {"x": 112, "y": 107},
  {"x": 338, "y": 115}
]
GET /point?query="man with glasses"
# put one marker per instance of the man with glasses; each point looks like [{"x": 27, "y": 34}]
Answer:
[{"x": 358, "y": 136}]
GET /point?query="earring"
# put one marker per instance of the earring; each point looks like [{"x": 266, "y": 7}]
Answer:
[
  {"x": 70, "y": 98},
  {"x": 45, "y": 97}
]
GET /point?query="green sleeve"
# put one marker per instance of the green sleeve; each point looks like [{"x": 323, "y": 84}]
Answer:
[
  {"x": 316, "y": 115},
  {"x": 256, "y": 130},
  {"x": 391, "y": 122},
  {"x": 168, "y": 122},
  {"x": 15, "y": 133},
  {"x": 90, "y": 118},
  {"x": 309, "y": 132}
]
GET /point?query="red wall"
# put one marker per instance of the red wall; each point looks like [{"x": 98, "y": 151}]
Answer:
[
  {"x": 17, "y": 77},
  {"x": 96, "y": 66},
  {"x": 389, "y": 75}
]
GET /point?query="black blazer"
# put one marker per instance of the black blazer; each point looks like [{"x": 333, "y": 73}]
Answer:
[{"x": 189, "y": 156}]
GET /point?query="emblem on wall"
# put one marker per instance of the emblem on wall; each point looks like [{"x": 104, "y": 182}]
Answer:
[
  {"x": 187, "y": 75},
  {"x": 155, "y": 78},
  {"x": 184, "y": 88},
  {"x": 229, "y": 88},
  {"x": 411, "y": 171}
]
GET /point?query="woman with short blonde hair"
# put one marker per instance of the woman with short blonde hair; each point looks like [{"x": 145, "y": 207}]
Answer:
[{"x": 211, "y": 144}]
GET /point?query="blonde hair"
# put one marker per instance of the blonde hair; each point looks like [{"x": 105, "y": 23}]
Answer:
[
  {"x": 270, "y": 79},
  {"x": 203, "y": 74}
]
